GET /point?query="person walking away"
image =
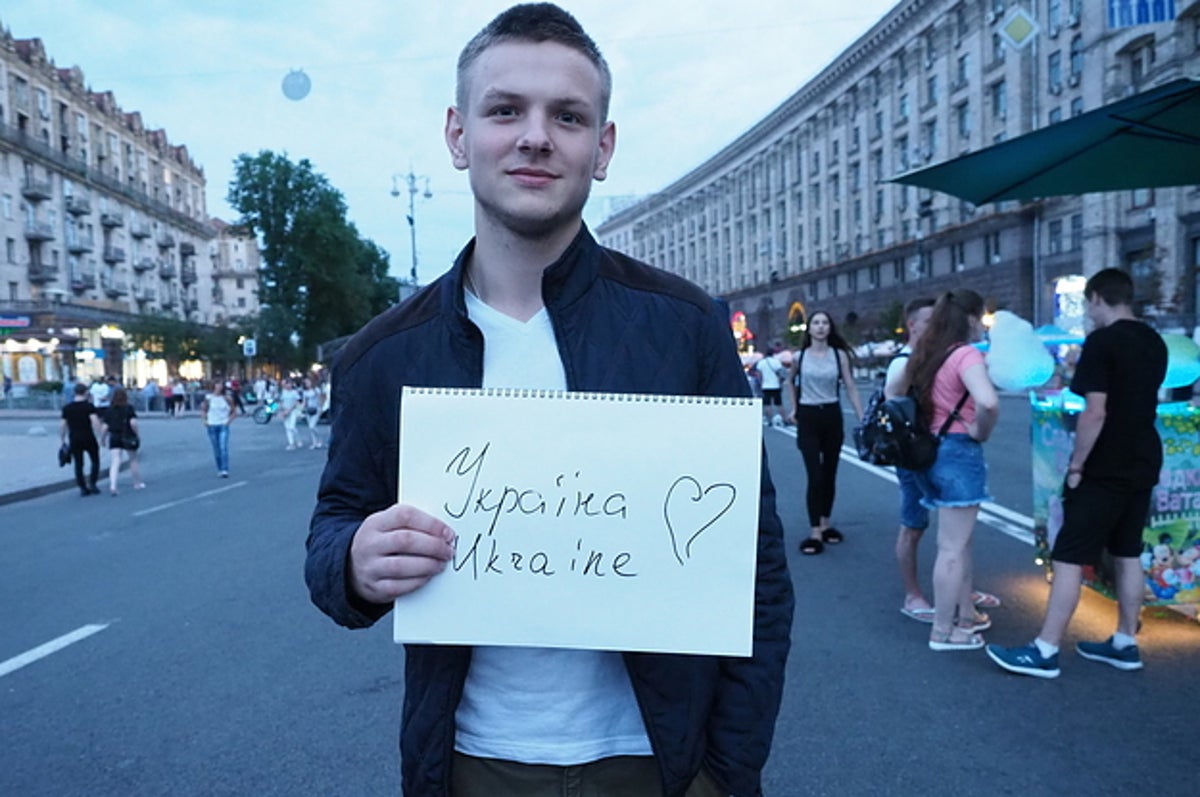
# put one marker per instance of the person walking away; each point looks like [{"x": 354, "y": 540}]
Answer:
[
  {"x": 534, "y": 302},
  {"x": 771, "y": 375},
  {"x": 217, "y": 413},
  {"x": 289, "y": 410},
  {"x": 180, "y": 394},
  {"x": 955, "y": 396},
  {"x": 101, "y": 391},
  {"x": 78, "y": 430},
  {"x": 814, "y": 383},
  {"x": 121, "y": 427},
  {"x": 312, "y": 410},
  {"x": 168, "y": 392},
  {"x": 1115, "y": 463}
]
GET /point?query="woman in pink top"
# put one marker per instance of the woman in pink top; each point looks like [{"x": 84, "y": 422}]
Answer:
[{"x": 944, "y": 367}]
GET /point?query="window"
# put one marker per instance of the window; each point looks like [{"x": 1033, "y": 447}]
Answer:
[
  {"x": 902, "y": 162},
  {"x": 964, "y": 69},
  {"x": 902, "y": 108},
  {"x": 816, "y": 161},
  {"x": 878, "y": 124},
  {"x": 1054, "y": 116},
  {"x": 1054, "y": 237},
  {"x": 1076, "y": 232},
  {"x": 1054, "y": 71},
  {"x": 929, "y": 137},
  {"x": 831, "y": 286},
  {"x": 7, "y": 203},
  {"x": 963, "y": 116},
  {"x": 991, "y": 247},
  {"x": 879, "y": 203},
  {"x": 998, "y": 47},
  {"x": 1141, "y": 197},
  {"x": 999, "y": 101},
  {"x": 1077, "y": 56},
  {"x": 241, "y": 283},
  {"x": 901, "y": 67},
  {"x": 931, "y": 89},
  {"x": 10, "y": 249},
  {"x": 1077, "y": 106},
  {"x": 1054, "y": 12}
]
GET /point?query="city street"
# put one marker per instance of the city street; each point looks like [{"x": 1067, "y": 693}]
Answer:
[{"x": 190, "y": 662}]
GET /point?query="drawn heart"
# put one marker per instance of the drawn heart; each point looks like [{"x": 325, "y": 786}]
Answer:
[{"x": 697, "y": 508}]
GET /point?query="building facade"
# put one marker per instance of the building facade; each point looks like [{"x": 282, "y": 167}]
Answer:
[
  {"x": 797, "y": 214},
  {"x": 102, "y": 219}
]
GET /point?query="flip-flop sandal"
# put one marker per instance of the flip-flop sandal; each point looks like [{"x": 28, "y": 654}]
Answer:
[
  {"x": 920, "y": 615},
  {"x": 946, "y": 642},
  {"x": 985, "y": 600},
  {"x": 811, "y": 546},
  {"x": 831, "y": 536}
]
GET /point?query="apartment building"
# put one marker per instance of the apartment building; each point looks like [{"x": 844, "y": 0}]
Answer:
[
  {"x": 235, "y": 263},
  {"x": 102, "y": 219},
  {"x": 797, "y": 215}
]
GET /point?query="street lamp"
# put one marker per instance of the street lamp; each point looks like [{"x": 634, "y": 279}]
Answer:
[{"x": 411, "y": 179}]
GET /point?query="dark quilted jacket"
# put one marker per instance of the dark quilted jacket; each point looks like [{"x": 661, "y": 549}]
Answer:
[{"x": 621, "y": 326}]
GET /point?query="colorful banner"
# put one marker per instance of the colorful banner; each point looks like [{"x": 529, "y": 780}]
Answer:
[{"x": 1171, "y": 540}]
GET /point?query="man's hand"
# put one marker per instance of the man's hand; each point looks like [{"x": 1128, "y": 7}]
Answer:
[
  {"x": 1073, "y": 479},
  {"x": 397, "y": 551}
]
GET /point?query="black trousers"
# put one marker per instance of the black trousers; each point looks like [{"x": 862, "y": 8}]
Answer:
[
  {"x": 77, "y": 451},
  {"x": 819, "y": 436}
]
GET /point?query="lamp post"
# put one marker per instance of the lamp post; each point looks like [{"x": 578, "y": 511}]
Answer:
[{"x": 411, "y": 180}]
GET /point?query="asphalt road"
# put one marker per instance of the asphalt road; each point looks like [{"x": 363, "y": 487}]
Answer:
[{"x": 207, "y": 671}]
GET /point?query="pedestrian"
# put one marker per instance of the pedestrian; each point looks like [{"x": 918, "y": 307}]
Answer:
[
  {"x": 78, "y": 431},
  {"x": 1115, "y": 463},
  {"x": 771, "y": 373},
  {"x": 814, "y": 383},
  {"x": 121, "y": 427},
  {"x": 289, "y": 410},
  {"x": 217, "y": 413},
  {"x": 101, "y": 391},
  {"x": 956, "y": 398},
  {"x": 179, "y": 393},
  {"x": 312, "y": 399},
  {"x": 530, "y": 126},
  {"x": 7, "y": 387},
  {"x": 914, "y": 517},
  {"x": 168, "y": 393}
]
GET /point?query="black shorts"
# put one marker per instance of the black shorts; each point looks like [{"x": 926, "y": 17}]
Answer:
[
  {"x": 772, "y": 398},
  {"x": 1097, "y": 518}
]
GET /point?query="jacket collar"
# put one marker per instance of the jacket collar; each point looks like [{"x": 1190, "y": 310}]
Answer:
[{"x": 563, "y": 281}]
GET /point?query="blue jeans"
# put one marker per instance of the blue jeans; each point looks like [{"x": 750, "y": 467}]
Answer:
[
  {"x": 958, "y": 477},
  {"x": 219, "y": 437}
]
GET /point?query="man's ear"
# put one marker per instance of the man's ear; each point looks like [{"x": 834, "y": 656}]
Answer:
[
  {"x": 454, "y": 138},
  {"x": 605, "y": 147}
]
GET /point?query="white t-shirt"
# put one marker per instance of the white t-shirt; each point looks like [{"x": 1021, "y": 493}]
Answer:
[
  {"x": 220, "y": 409},
  {"x": 898, "y": 363},
  {"x": 769, "y": 367},
  {"x": 541, "y": 705}
]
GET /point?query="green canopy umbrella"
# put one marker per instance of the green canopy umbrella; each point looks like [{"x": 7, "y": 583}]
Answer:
[{"x": 1148, "y": 140}]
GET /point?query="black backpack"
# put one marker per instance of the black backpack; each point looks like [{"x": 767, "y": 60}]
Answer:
[
  {"x": 867, "y": 433},
  {"x": 901, "y": 436}
]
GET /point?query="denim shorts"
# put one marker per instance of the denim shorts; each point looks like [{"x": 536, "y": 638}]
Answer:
[
  {"x": 912, "y": 514},
  {"x": 958, "y": 477}
]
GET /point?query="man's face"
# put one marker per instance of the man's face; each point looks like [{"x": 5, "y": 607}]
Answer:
[
  {"x": 917, "y": 323},
  {"x": 531, "y": 136}
]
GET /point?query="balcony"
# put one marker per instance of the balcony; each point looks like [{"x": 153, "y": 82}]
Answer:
[
  {"x": 192, "y": 305},
  {"x": 187, "y": 275},
  {"x": 42, "y": 273},
  {"x": 166, "y": 269},
  {"x": 83, "y": 281},
  {"x": 139, "y": 229},
  {"x": 78, "y": 205},
  {"x": 80, "y": 244},
  {"x": 166, "y": 240},
  {"x": 114, "y": 254},
  {"x": 112, "y": 220},
  {"x": 115, "y": 287},
  {"x": 145, "y": 264},
  {"x": 187, "y": 248},
  {"x": 38, "y": 231},
  {"x": 36, "y": 190},
  {"x": 169, "y": 302},
  {"x": 145, "y": 293}
]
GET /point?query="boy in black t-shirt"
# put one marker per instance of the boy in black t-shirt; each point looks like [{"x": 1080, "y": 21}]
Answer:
[
  {"x": 78, "y": 427},
  {"x": 1113, "y": 469}
]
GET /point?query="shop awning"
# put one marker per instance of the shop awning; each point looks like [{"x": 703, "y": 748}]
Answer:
[{"x": 1148, "y": 140}]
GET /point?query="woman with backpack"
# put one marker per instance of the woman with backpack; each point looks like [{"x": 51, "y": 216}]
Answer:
[
  {"x": 815, "y": 379},
  {"x": 949, "y": 373},
  {"x": 121, "y": 426}
]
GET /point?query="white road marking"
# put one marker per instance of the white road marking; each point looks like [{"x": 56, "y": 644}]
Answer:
[
  {"x": 1003, "y": 519},
  {"x": 53, "y": 646},
  {"x": 197, "y": 497}
]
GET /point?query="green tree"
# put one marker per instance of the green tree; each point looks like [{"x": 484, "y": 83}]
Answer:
[{"x": 320, "y": 280}]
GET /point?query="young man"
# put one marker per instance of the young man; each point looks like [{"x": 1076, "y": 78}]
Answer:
[
  {"x": 78, "y": 429},
  {"x": 772, "y": 372},
  {"x": 1113, "y": 468},
  {"x": 533, "y": 301}
]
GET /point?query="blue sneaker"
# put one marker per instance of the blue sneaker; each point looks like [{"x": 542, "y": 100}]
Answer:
[
  {"x": 1026, "y": 660},
  {"x": 1121, "y": 658}
]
